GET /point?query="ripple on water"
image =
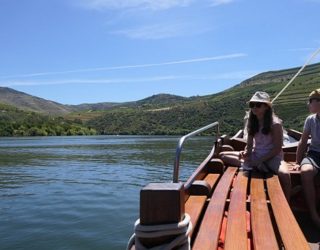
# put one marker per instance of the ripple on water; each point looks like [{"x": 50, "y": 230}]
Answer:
[{"x": 77, "y": 192}]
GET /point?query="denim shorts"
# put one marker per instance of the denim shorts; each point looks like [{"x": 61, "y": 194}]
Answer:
[{"x": 313, "y": 158}]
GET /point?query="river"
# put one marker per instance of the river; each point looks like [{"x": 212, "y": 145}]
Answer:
[{"x": 82, "y": 192}]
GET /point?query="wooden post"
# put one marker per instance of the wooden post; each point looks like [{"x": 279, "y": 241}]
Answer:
[{"x": 161, "y": 203}]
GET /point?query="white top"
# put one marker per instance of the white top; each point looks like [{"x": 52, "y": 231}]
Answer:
[{"x": 262, "y": 143}]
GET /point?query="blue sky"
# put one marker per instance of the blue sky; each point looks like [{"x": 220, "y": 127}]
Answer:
[{"x": 88, "y": 51}]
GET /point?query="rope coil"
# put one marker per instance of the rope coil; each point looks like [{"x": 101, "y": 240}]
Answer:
[{"x": 181, "y": 230}]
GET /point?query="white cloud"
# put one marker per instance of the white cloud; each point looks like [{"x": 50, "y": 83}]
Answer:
[
  {"x": 160, "y": 31},
  {"x": 88, "y": 81},
  {"x": 139, "y": 11},
  {"x": 136, "y": 4},
  {"x": 237, "y": 75},
  {"x": 203, "y": 59},
  {"x": 148, "y": 4},
  {"x": 215, "y": 3},
  {"x": 123, "y": 67}
]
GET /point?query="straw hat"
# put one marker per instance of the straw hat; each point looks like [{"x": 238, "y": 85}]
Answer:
[
  {"x": 261, "y": 96},
  {"x": 315, "y": 94}
]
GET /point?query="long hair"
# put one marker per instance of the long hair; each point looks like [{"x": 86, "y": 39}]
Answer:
[{"x": 253, "y": 123}]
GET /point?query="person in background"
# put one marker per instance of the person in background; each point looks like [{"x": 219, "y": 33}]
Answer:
[
  {"x": 263, "y": 151},
  {"x": 310, "y": 163}
]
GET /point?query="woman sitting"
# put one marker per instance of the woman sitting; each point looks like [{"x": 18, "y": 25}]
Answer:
[{"x": 263, "y": 152}]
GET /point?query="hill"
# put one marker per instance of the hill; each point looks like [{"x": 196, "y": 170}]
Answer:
[
  {"x": 169, "y": 114},
  {"x": 31, "y": 103},
  {"x": 227, "y": 107},
  {"x": 28, "y": 102},
  {"x": 155, "y": 100}
]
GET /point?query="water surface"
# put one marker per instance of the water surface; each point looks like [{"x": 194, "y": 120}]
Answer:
[{"x": 82, "y": 192}]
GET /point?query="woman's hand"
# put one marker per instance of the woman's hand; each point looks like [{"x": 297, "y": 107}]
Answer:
[{"x": 244, "y": 155}]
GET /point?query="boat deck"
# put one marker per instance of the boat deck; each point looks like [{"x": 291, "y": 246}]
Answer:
[
  {"x": 308, "y": 229},
  {"x": 246, "y": 211},
  {"x": 230, "y": 208}
]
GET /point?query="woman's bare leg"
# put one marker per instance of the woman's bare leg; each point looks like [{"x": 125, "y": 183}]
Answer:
[
  {"x": 285, "y": 180},
  {"x": 230, "y": 158}
]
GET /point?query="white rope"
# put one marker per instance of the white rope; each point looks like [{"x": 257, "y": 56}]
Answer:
[
  {"x": 294, "y": 77},
  {"x": 181, "y": 230}
]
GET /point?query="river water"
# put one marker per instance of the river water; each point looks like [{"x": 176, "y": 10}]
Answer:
[{"x": 82, "y": 192}]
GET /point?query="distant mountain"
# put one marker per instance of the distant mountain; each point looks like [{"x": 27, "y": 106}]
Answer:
[
  {"x": 227, "y": 107},
  {"x": 171, "y": 114},
  {"x": 31, "y": 103},
  {"x": 162, "y": 99},
  {"x": 158, "y": 100},
  {"x": 28, "y": 102}
]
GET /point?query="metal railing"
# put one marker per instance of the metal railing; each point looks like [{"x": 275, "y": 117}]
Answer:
[{"x": 180, "y": 144}]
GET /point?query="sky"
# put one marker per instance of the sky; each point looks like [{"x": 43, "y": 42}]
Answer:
[{"x": 90, "y": 51}]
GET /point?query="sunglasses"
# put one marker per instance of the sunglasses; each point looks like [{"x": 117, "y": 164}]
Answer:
[
  {"x": 255, "y": 104},
  {"x": 313, "y": 99}
]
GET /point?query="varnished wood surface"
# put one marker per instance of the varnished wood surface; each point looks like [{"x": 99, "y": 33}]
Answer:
[
  {"x": 212, "y": 179},
  {"x": 236, "y": 234},
  {"x": 262, "y": 230},
  {"x": 194, "y": 206},
  {"x": 209, "y": 230},
  {"x": 168, "y": 196},
  {"x": 195, "y": 203},
  {"x": 291, "y": 234}
]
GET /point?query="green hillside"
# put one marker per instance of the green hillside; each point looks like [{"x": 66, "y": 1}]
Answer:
[
  {"x": 16, "y": 122},
  {"x": 227, "y": 107},
  {"x": 161, "y": 114}
]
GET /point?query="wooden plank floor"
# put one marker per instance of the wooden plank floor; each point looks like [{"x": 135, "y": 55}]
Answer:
[
  {"x": 265, "y": 221},
  {"x": 262, "y": 229},
  {"x": 193, "y": 207},
  {"x": 209, "y": 231},
  {"x": 236, "y": 234},
  {"x": 195, "y": 203},
  {"x": 291, "y": 234}
]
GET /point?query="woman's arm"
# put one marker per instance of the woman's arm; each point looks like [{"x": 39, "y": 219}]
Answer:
[
  {"x": 248, "y": 149},
  {"x": 302, "y": 146}
]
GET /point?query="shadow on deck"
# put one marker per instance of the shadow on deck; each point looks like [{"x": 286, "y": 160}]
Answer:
[{"x": 310, "y": 231}]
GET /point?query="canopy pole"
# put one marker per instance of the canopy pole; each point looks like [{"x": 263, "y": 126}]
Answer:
[{"x": 294, "y": 77}]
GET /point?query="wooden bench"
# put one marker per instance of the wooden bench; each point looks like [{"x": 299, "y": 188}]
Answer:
[
  {"x": 236, "y": 234},
  {"x": 195, "y": 204},
  {"x": 290, "y": 232},
  {"x": 258, "y": 215},
  {"x": 262, "y": 228},
  {"x": 209, "y": 231}
]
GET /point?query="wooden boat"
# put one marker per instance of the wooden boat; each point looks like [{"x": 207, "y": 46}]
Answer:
[{"x": 228, "y": 208}]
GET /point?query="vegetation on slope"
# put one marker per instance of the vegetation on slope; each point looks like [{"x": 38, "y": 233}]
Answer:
[
  {"x": 15, "y": 122},
  {"x": 227, "y": 107},
  {"x": 172, "y": 115},
  {"x": 31, "y": 103}
]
